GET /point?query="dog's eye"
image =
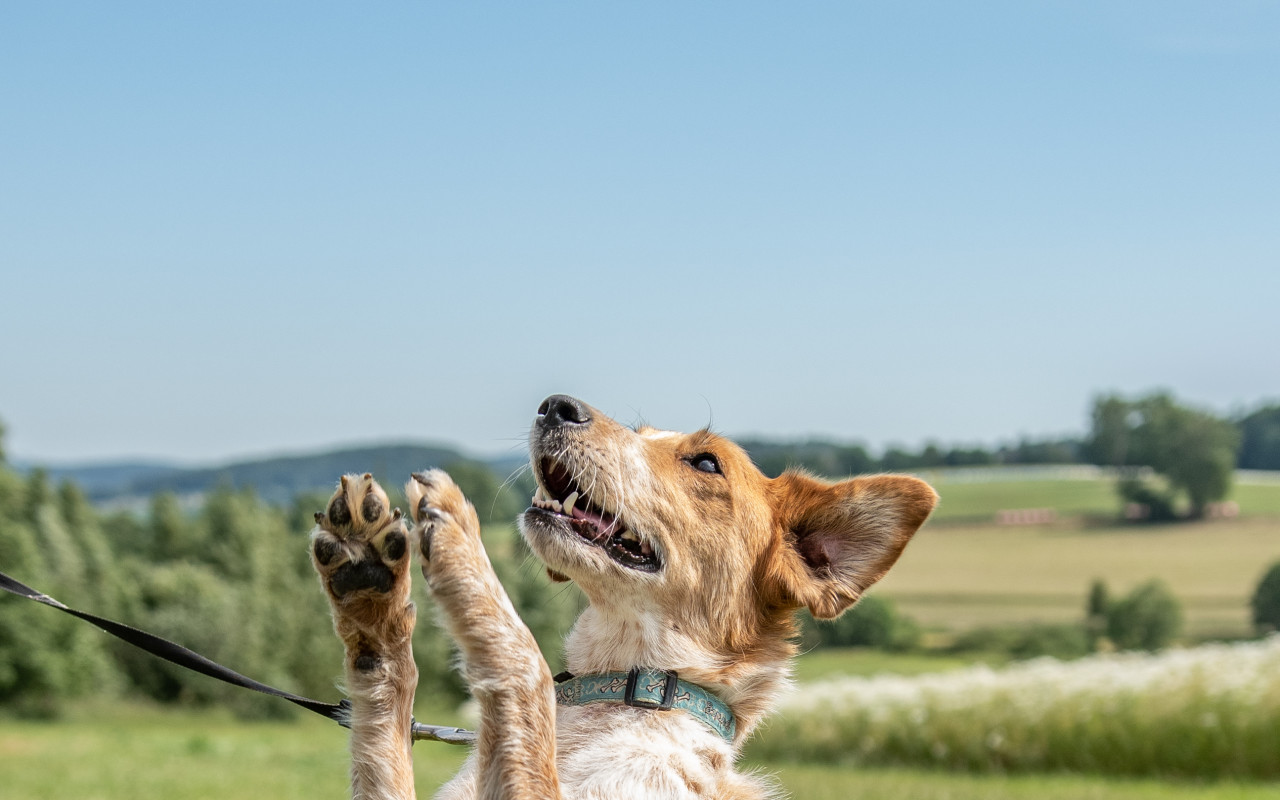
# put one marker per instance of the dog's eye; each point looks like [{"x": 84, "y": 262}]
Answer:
[{"x": 705, "y": 462}]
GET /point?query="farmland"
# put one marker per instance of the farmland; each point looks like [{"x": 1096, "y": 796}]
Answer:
[{"x": 963, "y": 571}]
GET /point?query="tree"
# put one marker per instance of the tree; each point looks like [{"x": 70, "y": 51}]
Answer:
[
  {"x": 1266, "y": 601},
  {"x": 46, "y": 658},
  {"x": 1260, "y": 439},
  {"x": 1110, "y": 432},
  {"x": 1148, "y": 618},
  {"x": 873, "y": 622},
  {"x": 1095, "y": 612},
  {"x": 494, "y": 502},
  {"x": 1193, "y": 450}
]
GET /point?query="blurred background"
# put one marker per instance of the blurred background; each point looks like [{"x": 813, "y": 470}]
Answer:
[{"x": 1026, "y": 251}]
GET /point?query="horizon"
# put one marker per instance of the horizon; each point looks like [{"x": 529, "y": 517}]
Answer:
[
  {"x": 248, "y": 230},
  {"x": 876, "y": 450}
]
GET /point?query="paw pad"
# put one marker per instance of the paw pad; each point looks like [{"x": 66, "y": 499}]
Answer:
[{"x": 361, "y": 552}]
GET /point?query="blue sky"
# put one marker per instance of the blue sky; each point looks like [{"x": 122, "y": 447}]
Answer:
[{"x": 250, "y": 228}]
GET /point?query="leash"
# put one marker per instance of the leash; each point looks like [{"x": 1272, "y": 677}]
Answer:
[{"x": 177, "y": 654}]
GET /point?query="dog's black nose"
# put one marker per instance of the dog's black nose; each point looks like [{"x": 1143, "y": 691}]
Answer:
[{"x": 561, "y": 409}]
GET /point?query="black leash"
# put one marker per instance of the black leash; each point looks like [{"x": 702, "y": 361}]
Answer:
[{"x": 183, "y": 657}]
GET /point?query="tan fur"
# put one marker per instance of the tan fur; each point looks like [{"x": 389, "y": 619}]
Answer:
[
  {"x": 739, "y": 555},
  {"x": 376, "y": 628}
]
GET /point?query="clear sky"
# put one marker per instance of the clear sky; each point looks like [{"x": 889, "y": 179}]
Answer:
[{"x": 234, "y": 229}]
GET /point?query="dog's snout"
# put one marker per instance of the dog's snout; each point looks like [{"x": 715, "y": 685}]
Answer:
[{"x": 561, "y": 409}]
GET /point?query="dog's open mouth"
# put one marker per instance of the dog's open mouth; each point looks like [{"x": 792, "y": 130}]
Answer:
[{"x": 559, "y": 497}]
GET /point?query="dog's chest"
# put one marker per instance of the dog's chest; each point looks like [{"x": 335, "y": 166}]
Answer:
[{"x": 607, "y": 750}]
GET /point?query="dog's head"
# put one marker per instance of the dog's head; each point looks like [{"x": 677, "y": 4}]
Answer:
[{"x": 688, "y": 553}]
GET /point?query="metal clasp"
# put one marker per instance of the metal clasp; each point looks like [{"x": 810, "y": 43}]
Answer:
[{"x": 668, "y": 691}]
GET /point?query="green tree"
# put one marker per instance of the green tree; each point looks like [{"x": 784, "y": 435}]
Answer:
[
  {"x": 1148, "y": 618},
  {"x": 897, "y": 459},
  {"x": 873, "y": 622},
  {"x": 495, "y": 502},
  {"x": 1266, "y": 601},
  {"x": 46, "y": 658},
  {"x": 1194, "y": 451},
  {"x": 1095, "y": 612},
  {"x": 1260, "y": 439},
  {"x": 171, "y": 536}
]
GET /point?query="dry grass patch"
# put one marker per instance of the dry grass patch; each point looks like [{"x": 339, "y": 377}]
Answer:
[{"x": 957, "y": 577}]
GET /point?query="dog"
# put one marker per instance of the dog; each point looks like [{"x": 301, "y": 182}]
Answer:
[{"x": 694, "y": 565}]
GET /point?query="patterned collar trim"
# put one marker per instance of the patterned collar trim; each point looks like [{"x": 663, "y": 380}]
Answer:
[{"x": 642, "y": 687}]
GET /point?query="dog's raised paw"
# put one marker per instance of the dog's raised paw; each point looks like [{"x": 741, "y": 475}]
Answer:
[
  {"x": 359, "y": 545},
  {"x": 444, "y": 520}
]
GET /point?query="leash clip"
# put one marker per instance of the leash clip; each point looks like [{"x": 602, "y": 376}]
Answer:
[{"x": 668, "y": 691}]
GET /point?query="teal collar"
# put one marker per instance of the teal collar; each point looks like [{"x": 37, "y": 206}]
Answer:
[{"x": 647, "y": 688}]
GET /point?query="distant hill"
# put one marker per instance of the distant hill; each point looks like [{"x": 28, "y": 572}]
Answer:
[
  {"x": 276, "y": 480},
  {"x": 279, "y": 480},
  {"x": 105, "y": 479}
]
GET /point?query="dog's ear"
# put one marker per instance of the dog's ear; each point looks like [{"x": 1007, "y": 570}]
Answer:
[{"x": 839, "y": 539}]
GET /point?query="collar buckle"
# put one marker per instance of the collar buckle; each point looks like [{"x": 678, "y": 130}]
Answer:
[{"x": 668, "y": 691}]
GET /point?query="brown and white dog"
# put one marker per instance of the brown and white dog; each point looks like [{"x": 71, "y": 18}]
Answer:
[{"x": 694, "y": 563}]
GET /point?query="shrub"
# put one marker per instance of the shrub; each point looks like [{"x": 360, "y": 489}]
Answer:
[
  {"x": 1266, "y": 601},
  {"x": 1095, "y": 613},
  {"x": 1025, "y": 641},
  {"x": 873, "y": 622},
  {"x": 1158, "y": 505},
  {"x": 1148, "y": 618}
]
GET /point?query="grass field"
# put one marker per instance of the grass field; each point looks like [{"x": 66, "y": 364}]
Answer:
[
  {"x": 1202, "y": 712},
  {"x": 867, "y": 663},
  {"x": 119, "y": 753},
  {"x": 961, "y": 576},
  {"x": 965, "y": 500}
]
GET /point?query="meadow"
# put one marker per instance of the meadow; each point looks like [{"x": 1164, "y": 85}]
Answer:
[
  {"x": 1209, "y": 711},
  {"x": 964, "y": 571},
  {"x": 121, "y": 752}
]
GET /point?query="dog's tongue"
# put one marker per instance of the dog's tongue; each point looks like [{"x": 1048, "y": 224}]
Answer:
[{"x": 602, "y": 524}]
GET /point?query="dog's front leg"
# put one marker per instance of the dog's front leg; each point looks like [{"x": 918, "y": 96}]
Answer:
[
  {"x": 360, "y": 549},
  {"x": 508, "y": 677}
]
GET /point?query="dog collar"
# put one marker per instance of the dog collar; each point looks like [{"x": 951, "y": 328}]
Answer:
[{"x": 655, "y": 689}]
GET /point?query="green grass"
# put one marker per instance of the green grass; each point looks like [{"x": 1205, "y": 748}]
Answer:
[
  {"x": 964, "y": 501},
  {"x": 1258, "y": 498},
  {"x": 841, "y": 783},
  {"x": 132, "y": 753},
  {"x": 1211, "y": 711},
  {"x": 956, "y": 577},
  {"x": 980, "y": 501},
  {"x": 863, "y": 662},
  {"x": 141, "y": 753}
]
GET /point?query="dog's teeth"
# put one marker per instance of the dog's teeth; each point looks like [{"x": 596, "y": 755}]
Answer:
[
  {"x": 568, "y": 503},
  {"x": 630, "y": 536}
]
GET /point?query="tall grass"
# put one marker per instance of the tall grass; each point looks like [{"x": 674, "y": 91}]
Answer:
[
  {"x": 119, "y": 752},
  {"x": 1212, "y": 711}
]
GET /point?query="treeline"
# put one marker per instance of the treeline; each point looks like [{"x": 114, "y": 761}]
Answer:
[
  {"x": 231, "y": 580},
  {"x": 1255, "y": 439},
  {"x": 838, "y": 460}
]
